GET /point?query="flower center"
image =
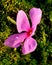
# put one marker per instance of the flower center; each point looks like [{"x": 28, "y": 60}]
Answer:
[{"x": 29, "y": 32}]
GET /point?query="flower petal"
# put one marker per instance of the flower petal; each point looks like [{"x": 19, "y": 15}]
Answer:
[
  {"x": 33, "y": 30},
  {"x": 22, "y": 21},
  {"x": 35, "y": 15},
  {"x": 15, "y": 40},
  {"x": 30, "y": 45}
]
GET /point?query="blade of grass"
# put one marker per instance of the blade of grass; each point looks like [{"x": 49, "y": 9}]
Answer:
[{"x": 11, "y": 20}]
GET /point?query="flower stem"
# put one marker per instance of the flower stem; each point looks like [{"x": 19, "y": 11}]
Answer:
[
  {"x": 11, "y": 20},
  {"x": 15, "y": 49}
]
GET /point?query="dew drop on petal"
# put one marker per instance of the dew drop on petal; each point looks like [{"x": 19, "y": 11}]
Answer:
[{"x": 16, "y": 37}]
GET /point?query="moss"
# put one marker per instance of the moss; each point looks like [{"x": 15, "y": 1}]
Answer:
[{"x": 43, "y": 53}]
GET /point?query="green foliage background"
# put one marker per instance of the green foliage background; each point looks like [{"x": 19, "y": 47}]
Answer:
[{"x": 43, "y": 53}]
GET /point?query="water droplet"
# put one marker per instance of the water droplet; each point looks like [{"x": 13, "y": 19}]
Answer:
[{"x": 16, "y": 37}]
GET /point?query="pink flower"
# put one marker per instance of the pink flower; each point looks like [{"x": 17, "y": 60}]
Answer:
[{"x": 26, "y": 31}]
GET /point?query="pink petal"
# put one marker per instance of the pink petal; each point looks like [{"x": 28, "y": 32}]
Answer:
[
  {"x": 35, "y": 15},
  {"x": 30, "y": 45},
  {"x": 22, "y": 21},
  {"x": 33, "y": 30},
  {"x": 15, "y": 40}
]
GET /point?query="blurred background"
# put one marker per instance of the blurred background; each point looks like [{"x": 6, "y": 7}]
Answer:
[{"x": 43, "y": 54}]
